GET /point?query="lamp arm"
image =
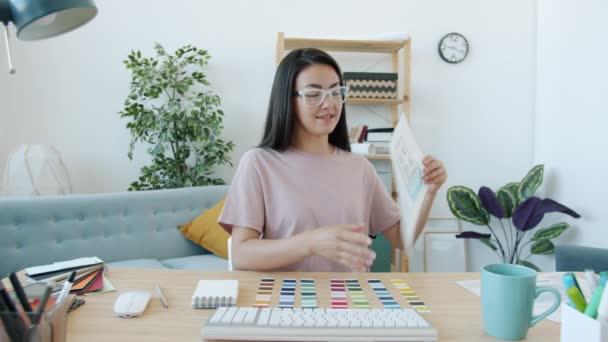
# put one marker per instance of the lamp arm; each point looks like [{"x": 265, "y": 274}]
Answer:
[{"x": 11, "y": 70}]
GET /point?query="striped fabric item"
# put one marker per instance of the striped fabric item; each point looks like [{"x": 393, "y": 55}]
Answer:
[
  {"x": 372, "y": 94},
  {"x": 371, "y": 85}
]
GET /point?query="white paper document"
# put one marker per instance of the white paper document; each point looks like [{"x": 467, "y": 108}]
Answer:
[
  {"x": 63, "y": 265},
  {"x": 545, "y": 301},
  {"x": 408, "y": 170}
]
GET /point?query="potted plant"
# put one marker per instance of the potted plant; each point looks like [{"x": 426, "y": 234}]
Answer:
[
  {"x": 516, "y": 211},
  {"x": 168, "y": 109}
]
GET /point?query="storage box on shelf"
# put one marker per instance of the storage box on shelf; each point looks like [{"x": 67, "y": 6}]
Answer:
[{"x": 371, "y": 85}]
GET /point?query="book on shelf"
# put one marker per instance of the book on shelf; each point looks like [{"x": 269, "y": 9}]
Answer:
[
  {"x": 363, "y": 134},
  {"x": 357, "y": 134},
  {"x": 352, "y": 133}
]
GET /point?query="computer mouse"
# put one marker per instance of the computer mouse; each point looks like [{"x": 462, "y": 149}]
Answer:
[{"x": 131, "y": 304}]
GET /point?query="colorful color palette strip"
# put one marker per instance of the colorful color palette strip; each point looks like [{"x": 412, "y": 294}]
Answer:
[
  {"x": 408, "y": 293},
  {"x": 338, "y": 298},
  {"x": 288, "y": 293},
  {"x": 383, "y": 294},
  {"x": 357, "y": 295},
  {"x": 308, "y": 293},
  {"x": 264, "y": 294}
]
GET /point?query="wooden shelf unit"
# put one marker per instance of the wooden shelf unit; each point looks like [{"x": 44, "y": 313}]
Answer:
[
  {"x": 379, "y": 157},
  {"x": 393, "y": 48},
  {"x": 373, "y": 46}
]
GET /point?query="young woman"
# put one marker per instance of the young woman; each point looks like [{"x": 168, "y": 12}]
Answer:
[{"x": 301, "y": 201}]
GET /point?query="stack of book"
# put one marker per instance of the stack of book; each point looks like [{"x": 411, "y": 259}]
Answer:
[
  {"x": 380, "y": 138},
  {"x": 357, "y": 134},
  {"x": 89, "y": 274}
]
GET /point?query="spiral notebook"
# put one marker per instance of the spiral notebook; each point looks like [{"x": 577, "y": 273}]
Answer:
[{"x": 211, "y": 294}]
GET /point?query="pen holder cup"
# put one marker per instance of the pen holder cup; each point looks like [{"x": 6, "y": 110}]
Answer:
[
  {"x": 22, "y": 327},
  {"x": 576, "y": 327},
  {"x": 48, "y": 326}
]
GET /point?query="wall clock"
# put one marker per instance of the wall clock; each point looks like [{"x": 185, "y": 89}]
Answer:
[{"x": 453, "y": 48}]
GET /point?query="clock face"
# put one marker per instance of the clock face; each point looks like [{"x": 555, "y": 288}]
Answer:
[{"x": 453, "y": 48}]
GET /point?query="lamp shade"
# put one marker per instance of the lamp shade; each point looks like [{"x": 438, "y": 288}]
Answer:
[
  {"x": 37, "y": 19},
  {"x": 35, "y": 170}
]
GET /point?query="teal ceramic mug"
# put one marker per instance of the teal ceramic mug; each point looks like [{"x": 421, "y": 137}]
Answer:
[{"x": 508, "y": 293}]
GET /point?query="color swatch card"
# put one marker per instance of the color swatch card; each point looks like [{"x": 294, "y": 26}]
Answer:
[
  {"x": 357, "y": 296},
  {"x": 288, "y": 293},
  {"x": 264, "y": 295},
  {"x": 408, "y": 293},
  {"x": 308, "y": 293},
  {"x": 383, "y": 294},
  {"x": 338, "y": 298}
]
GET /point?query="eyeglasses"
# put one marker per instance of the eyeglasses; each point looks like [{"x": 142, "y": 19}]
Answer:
[{"x": 314, "y": 97}]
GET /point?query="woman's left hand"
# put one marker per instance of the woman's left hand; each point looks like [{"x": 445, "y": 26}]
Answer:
[{"x": 434, "y": 173}]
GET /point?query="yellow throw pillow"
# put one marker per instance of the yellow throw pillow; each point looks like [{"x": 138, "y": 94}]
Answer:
[{"x": 205, "y": 231}]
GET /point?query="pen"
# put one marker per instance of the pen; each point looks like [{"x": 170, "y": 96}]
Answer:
[
  {"x": 594, "y": 302},
  {"x": 14, "y": 325},
  {"x": 162, "y": 296},
  {"x": 574, "y": 293},
  {"x": 591, "y": 280},
  {"x": 65, "y": 290},
  {"x": 6, "y": 320},
  {"x": 603, "y": 277},
  {"x": 43, "y": 300},
  {"x": 19, "y": 292}
]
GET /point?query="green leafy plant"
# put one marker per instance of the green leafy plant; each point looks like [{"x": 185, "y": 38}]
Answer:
[
  {"x": 515, "y": 204},
  {"x": 169, "y": 110}
]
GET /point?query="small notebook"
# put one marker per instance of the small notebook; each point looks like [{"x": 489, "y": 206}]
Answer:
[{"x": 211, "y": 294}]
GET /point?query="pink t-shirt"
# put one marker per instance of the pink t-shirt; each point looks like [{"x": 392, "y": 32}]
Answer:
[{"x": 280, "y": 194}]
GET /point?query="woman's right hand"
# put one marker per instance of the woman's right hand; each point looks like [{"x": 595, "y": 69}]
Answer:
[{"x": 347, "y": 244}]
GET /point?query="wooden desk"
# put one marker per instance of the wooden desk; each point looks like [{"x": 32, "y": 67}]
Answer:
[{"x": 455, "y": 312}]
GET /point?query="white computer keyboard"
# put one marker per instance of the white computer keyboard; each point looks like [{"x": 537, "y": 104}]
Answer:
[{"x": 275, "y": 324}]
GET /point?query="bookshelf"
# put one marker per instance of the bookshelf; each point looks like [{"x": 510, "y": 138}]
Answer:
[
  {"x": 400, "y": 51},
  {"x": 394, "y": 48}
]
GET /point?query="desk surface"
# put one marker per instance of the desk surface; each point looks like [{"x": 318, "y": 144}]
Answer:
[{"x": 455, "y": 312}]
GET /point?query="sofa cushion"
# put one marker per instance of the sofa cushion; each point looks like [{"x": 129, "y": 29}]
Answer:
[
  {"x": 137, "y": 263},
  {"x": 207, "y": 262},
  {"x": 206, "y": 232}
]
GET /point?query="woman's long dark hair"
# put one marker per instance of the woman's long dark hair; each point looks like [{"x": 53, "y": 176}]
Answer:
[{"x": 281, "y": 115}]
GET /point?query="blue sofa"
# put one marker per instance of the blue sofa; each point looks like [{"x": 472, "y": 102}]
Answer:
[{"x": 129, "y": 229}]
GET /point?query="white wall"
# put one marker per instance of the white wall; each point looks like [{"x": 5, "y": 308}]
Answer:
[
  {"x": 570, "y": 130},
  {"x": 477, "y": 116},
  {"x": 6, "y": 120}
]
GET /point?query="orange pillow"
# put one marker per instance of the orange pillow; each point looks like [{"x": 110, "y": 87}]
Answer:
[{"x": 205, "y": 231}]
